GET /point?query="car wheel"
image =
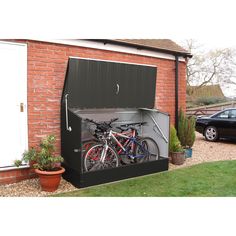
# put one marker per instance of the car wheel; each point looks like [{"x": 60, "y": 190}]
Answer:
[{"x": 211, "y": 133}]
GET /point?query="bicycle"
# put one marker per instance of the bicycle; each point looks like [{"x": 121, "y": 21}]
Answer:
[
  {"x": 100, "y": 129},
  {"x": 112, "y": 144}
]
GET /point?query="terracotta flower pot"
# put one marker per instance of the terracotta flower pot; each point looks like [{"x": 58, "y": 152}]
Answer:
[
  {"x": 49, "y": 180},
  {"x": 177, "y": 158}
]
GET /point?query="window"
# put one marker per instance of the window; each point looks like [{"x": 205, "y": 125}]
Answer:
[
  {"x": 232, "y": 114},
  {"x": 223, "y": 115}
]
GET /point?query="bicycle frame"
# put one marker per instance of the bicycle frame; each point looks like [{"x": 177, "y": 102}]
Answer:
[
  {"x": 128, "y": 148},
  {"x": 113, "y": 135},
  {"x": 132, "y": 139}
]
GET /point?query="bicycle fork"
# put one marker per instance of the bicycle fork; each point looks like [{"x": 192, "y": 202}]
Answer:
[{"x": 104, "y": 152}]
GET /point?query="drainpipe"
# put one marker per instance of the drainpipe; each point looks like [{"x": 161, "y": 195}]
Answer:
[{"x": 176, "y": 92}]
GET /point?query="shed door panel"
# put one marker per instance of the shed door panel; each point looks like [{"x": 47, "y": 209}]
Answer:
[
  {"x": 137, "y": 86},
  {"x": 102, "y": 84},
  {"x": 89, "y": 84}
]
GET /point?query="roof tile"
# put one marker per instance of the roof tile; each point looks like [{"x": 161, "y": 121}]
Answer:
[{"x": 165, "y": 44}]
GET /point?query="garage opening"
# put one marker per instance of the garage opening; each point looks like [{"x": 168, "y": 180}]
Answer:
[{"x": 102, "y": 91}]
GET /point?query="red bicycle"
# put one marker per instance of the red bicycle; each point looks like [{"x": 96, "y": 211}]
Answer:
[{"x": 112, "y": 145}]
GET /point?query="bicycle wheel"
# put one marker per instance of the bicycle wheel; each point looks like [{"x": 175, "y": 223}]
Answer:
[
  {"x": 147, "y": 150},
  {"x": 92, "y": 158},
  {"x": 86, "y": 145}
]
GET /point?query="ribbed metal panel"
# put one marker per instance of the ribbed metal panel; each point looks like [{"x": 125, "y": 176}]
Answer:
[
  {"x": 102, "y": 84},
  {"x": 91, "y": 85}
]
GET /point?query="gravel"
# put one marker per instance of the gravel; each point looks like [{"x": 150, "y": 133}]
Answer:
[
  {"x": 31, "y": 188},
  {"x": 203, "y": 151}
]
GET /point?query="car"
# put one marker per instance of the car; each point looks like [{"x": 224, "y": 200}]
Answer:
[{"x": 219, "y": 125}]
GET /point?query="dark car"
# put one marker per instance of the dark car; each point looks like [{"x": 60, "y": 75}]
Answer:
[{"x": 219, "y": 125}]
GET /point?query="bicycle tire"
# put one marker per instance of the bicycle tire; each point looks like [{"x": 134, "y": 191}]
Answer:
[
  {"x": 92, "y": 158},
  {"x": 151, "y": 152},
  {"x": 86, "y": 145}
]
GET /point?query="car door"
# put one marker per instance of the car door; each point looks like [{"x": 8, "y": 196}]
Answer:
[
  {"x": 232, "y": 123},
  {"x": 222, "y": 122}
]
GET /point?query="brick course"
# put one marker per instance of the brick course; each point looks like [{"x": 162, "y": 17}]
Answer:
[
  {"x": 47, "y": 64},
  {"x": 16, "y": 175}
]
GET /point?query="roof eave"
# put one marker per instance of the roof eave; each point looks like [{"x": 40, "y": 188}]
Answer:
[{"x": 140, "y": 47}]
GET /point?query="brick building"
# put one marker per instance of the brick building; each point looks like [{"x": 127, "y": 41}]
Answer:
[{"x": 32, "y": 73}]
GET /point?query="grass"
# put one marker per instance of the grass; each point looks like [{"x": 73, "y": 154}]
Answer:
[{"x": 215, "y": 179}]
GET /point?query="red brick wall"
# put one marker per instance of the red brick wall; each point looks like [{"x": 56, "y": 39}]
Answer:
[
  {"x": 15, "y": 175},
  {"x": 46, "y": 73}
]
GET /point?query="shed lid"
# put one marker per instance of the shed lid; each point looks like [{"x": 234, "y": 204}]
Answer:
[{"x": 105, "y": 84}]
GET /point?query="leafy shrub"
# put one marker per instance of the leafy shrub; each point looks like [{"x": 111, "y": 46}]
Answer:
[
  {"x": 182, "y": 128},
  {"x": 190, "y": 134},
  {"x": 209, "y": 100},
  {"x": 18, "y": 163},
  {"x": 44, "y": 158},
  {"x": 175, "y": 145},
  {"x": 186, "y": 130}
]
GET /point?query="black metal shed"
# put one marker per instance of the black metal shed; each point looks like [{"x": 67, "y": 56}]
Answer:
[{"x": 102, "y": 90}]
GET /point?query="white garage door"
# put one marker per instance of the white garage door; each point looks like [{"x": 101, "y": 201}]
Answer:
[{"x": 13, "y": 102}]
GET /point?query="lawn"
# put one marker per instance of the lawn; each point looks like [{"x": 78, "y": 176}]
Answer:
[{"x": 215, "y": 179}]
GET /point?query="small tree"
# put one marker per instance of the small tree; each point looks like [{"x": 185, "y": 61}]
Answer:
[
  {"x": 186, "y": 130},
  {"x": 175, "y": 145},
  {"x": 190, "y": 136},
  {"x": 209, "y": 66},
  {"x": 182, "y": 128}
]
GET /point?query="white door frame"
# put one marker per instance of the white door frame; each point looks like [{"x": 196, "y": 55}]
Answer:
[{"x": 23, "y": 116}]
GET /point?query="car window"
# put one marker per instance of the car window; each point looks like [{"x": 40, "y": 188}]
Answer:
[
  {"x": 223, "y": 115},
  {"x": 232, "y": 114}
]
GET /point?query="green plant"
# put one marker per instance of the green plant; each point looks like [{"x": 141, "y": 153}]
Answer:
[
  {"x": 182, "y": 128},
  {"x": 30, "y": 155},
  {"x": 186, "y": 130},
  {"x": 190, "y": 134},
  {"x": 18, "y": 163},
  {"x": 175, "y": 145},
  {"x": 209, "y": 100},
  {"x": 44, "y": 158}
]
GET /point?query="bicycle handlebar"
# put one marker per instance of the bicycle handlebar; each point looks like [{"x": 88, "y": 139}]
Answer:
[
  {"x": 91, "y": 121},
  {"x": 135, "y": 123},
  {"x": 102, "y": 125},
  {"x": 113, "y": 120}
]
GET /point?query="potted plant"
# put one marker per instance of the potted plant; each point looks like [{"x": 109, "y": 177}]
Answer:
[
  {"x": 176, "y": 150},
  {"x": 186, "y": 132},
  {"x": 46, "y": 164},
  {"x": 182, "y": 128},
  {"x": 190, "y": 136}
]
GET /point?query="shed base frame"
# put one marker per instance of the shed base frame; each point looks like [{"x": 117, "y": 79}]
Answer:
[{"x": 110, "y": 175}]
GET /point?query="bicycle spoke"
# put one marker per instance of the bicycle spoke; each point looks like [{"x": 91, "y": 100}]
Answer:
[
  {"x": 149, "y": 149},
  {"x": 92, "y": 160},
  {"x": 126, "y": 144}
]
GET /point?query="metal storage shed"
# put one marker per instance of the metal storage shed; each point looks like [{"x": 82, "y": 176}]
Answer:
[{"x": 102, "y": 90}]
